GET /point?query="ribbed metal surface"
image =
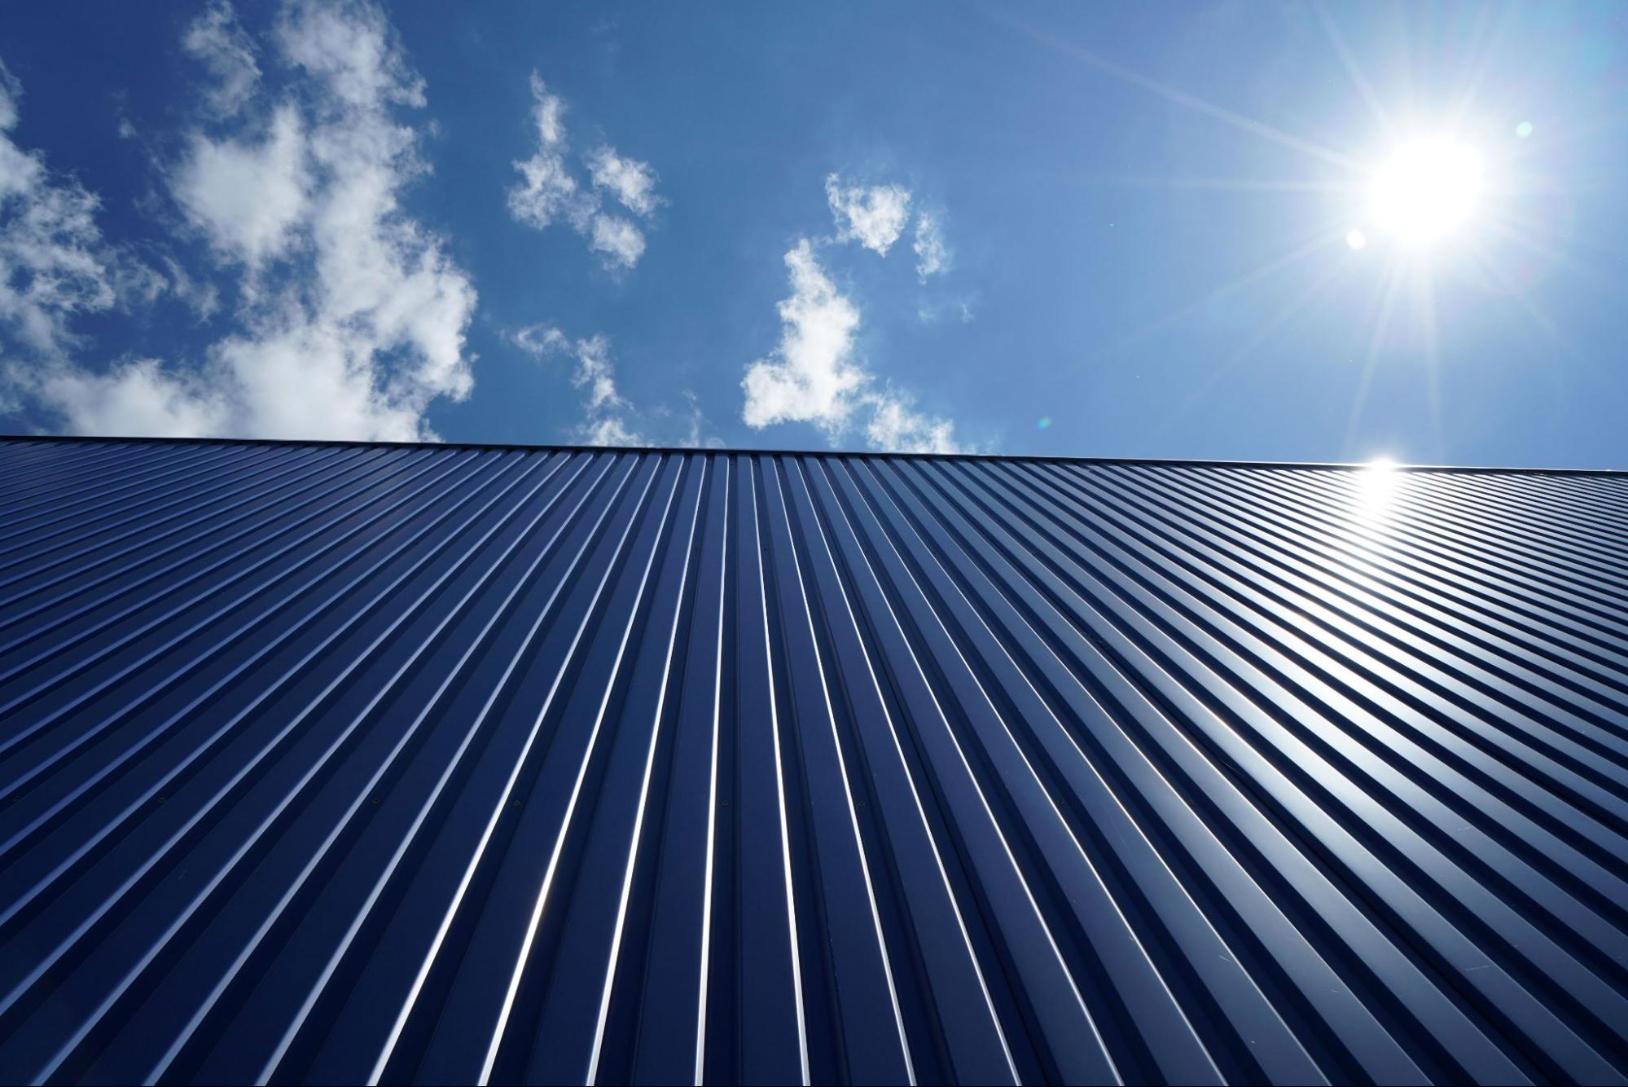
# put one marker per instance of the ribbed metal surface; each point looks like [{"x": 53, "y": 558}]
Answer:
[{"x": 342, "y": 763}]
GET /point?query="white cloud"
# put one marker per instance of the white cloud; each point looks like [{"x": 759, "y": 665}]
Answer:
[
  {"x": 350, "y": 50},
  {"x": 540, "y": 340},
  {"x": 620, "y": 241},
  {"x": 217, "y": 39},
  {"x": 203, "y": 299},
  {"x": 248, "y": 197},
  {"x": 812, "y": 375},
  {"x": 549, "y": 112},
  {"x": 318, "y": 379},
  {"x": 873, "y": 216},
  {"x": 695, "y": 436},
  {"x": 632, "y": 182},
  {"x": 359, "y": 321},
  {"x": 135, "y": 399},
  {"x": 605, "y": 413},
  {"x": 876, "y": 217},
  {"x": 10, "y": 91},
  {"x": 546, "y": 190},
  {"x": 607, "y": 417},
  {"x": 549, "y": 192},
  {"x": 596, "y": 374},
  {"x": 932, "y": 255},
  {"x": 896, "y": 426},
  {"x": 610, "y": 430},
  {"x": 54, "y": 262}
]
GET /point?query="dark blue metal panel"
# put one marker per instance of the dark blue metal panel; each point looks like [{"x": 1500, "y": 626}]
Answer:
[{"x": 345, "y": 763}]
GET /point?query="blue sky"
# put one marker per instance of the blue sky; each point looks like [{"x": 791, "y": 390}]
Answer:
[{"x": 1112, "y": 230}]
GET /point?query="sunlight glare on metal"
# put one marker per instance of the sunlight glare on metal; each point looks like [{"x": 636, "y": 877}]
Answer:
[
  {"x": 1426, "y": 190},
  {"x": 1376, "y": 489}
]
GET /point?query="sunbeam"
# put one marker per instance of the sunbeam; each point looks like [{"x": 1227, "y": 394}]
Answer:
[
  {"x": 1365, "y": 89},
  {"x": 1303, "y": 250},
  {"x": 1396, "y": 274},
  {"x": 1297, "y": 306},
  {"x": 1182, "y": 98},
  {"x": 1222, "y": 184}
]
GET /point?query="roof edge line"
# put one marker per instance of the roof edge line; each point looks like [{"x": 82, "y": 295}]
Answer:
[{"x": 1190, "y": 462}]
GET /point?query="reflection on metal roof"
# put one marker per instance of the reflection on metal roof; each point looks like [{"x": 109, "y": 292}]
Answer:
[{"x": 350, "y": 763}]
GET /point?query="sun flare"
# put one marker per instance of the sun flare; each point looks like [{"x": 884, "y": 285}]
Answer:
[{"x": 1426, "y": 189}]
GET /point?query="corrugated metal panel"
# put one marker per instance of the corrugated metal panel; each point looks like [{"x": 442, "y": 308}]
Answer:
[{"x": 343, "y": 763}]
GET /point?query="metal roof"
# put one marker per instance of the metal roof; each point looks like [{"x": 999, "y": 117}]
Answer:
[{"x": 336, "y": 762}]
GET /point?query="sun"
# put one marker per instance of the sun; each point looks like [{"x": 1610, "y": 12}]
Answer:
[{"x": 1427, "y": 189}]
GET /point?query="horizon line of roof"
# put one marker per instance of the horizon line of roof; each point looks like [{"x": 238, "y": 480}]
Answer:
[{"x": 545, "y": 447}]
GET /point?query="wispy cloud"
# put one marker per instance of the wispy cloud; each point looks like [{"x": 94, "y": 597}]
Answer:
[
  {"x": 813, "y": 374},
  {"x": 605, "y": 413},
  {"x": 621, "y": 243},
  {"x": 217, "y": 40},
  {"x": 631, "y": 182},
  {"x": 897, "y": 426},
  {"x": 874, "y": 216},
  {"x": 350, "y": 318},
  {"x": 546, "y": 190},
  {"x": 932, "y": 255},
  {"x": 54, "y": 260},
  {"x": 549, "y": 191},
  {"x": 608, "y": 418},
  {"x": 55, "y": 265}
]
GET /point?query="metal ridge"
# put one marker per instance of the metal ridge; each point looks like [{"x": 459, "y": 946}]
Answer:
[
  {"x": 1022, "y": 458},
  {"x": 351, "y": 763}
]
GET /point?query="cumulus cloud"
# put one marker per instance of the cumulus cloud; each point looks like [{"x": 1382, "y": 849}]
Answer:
[
  {"x": 352, "y": 317},
  {"x": 549, "y": 191},
  {"x": 873, "y": 216},
  {"x": 136, "y": 398},
  {"x": 813, "y": 375},
  {"x": 217, "y": 40},
  {"x": 249, "y": 197},
  {"x": 932, "y": 255},
  {"x": 605, "y": 413}
]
